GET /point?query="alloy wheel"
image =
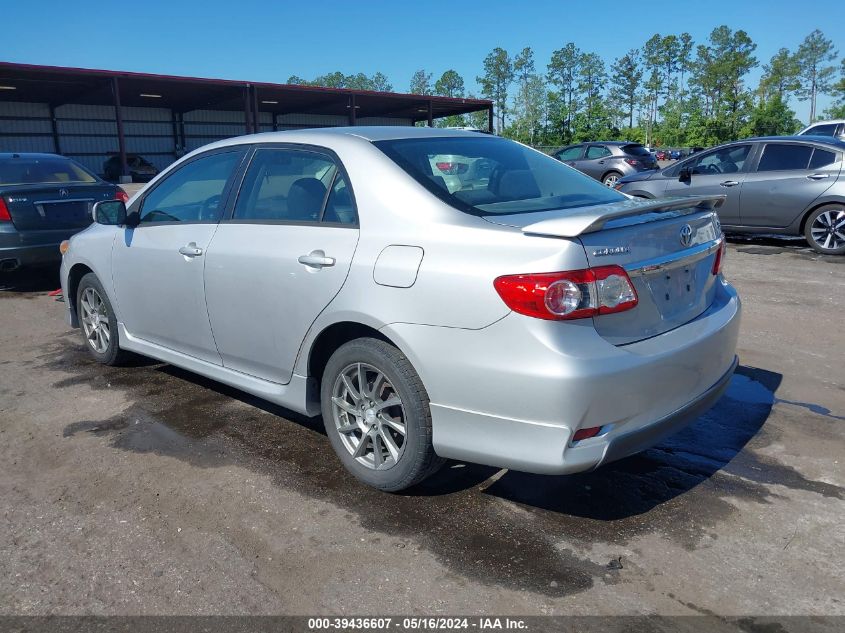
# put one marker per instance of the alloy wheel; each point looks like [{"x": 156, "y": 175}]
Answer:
[
  {"x": 369, "y": 416},
  {"x": 828, "y": 229},
  {"x": 611, "y": 180},
  {"x": 95, "y": 320}
]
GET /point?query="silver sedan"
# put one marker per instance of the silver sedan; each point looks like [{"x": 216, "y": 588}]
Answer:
[{"x": 522, "y": 315}]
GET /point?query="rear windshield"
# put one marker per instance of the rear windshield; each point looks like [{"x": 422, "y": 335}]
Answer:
[
  {"x": 23, "y": 170},
  {"x": 494, "y": 176},
  {"x": 635, "y": 149}
]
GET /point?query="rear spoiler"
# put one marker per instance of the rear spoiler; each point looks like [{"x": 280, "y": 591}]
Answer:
[{"x": 592, "y": 219}]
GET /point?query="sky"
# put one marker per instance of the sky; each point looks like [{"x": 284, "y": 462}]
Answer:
[{"x": 270, "y": 41}]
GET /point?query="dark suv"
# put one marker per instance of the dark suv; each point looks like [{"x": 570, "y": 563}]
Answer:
[{"x": 607, "y": 161}]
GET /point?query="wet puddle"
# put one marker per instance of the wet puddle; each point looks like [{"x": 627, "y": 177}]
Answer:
[{"x": 465, "y": 514}]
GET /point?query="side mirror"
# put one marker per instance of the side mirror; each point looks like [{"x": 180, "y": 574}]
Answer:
[
  {"x": 685, "y": 175},
  {"x": 109, "y": 212}
]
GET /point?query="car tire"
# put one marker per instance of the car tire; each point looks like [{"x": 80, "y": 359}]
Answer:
[
  {"x": 98, "y": 322},
  {"x": 367, "y": 438},
  {"x": 817, "y": 229},
  {"x": 610, "y": 178}
]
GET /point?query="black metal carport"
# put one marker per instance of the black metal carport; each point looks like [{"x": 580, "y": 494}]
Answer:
[{"x": 56, "y": 86}]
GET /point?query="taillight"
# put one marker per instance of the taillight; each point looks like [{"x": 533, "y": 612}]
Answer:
[
  {"x": 720, "y": 257},
  {"x": 574, "y": 294},
  {"x": 121, "y": 195},
  {"x": 632, "y": 161},
  {"x": 4, "y": 212}
]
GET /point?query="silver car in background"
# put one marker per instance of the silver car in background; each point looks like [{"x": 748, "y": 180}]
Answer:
[
  {"x": 608, "y": 161},
  {"x": 533, "y": 320},
  {"x": 780, "y": 184}
]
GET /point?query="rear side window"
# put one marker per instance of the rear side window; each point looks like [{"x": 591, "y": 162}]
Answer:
[
  {"x": 289, "y": 185},
  {"x": 46, "y": 170},
  {"x": 502, "y": 177},
  {"x": 193, "y": 193},
  {"x": 571, "y": 153},
  {"x": 597, "y": 151},
  {"x": 827, "y": 129},
  {"x": 822, "y": 158},
  {"x": 783, "y": 156},
  {"x": 634, "y": 149}
]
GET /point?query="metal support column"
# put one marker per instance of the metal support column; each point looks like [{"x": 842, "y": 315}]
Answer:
[
  {"x": 174, "y": 119},
  {"x": 56, "y": 145},
  {"x": 353, "y": 115},
  {"x": 430, "y": 114},
  {"x": 490, "y": 119},
  {"x": 256, "y": 115},
  {"x": 121, "y": 139},
  {"x": 247, "y": 110}
]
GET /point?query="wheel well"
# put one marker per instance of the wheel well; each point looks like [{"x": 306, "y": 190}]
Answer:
[
  {"x": 77, "y": 272},
  {"x": 610, "y": 171},
  {"x": 809, "y": 211},
  {"x": 332, "y": 338}
]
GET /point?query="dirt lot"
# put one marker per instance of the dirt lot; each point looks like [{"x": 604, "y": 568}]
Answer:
[{"x": 150, "y": 490}]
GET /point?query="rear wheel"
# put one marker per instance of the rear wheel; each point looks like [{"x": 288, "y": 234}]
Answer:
[
  {"x": 98, "y": 322},
  {"x": 377, "y": 417},
  {"x": 825, "y": 229},
  {"x": 610, "y": 179}
]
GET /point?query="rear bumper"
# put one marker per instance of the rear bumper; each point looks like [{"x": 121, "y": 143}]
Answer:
[
  {"x": 12, "y": 257},
  {"x": 630, "y": 443},
  {"x": 513, "y": 394},
  {"x": 30, "y": 248}
]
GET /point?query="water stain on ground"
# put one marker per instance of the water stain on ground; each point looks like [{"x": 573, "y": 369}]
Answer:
[{"x": 462, "y": 515}]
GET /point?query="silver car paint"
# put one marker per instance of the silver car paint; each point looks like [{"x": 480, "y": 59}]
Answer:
[{"x": 505, "y": 389}]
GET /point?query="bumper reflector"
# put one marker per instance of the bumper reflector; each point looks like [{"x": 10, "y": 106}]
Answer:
[{"x": 583, "y": 434}]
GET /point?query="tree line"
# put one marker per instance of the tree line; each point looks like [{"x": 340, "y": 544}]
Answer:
[{"x": 670, "y": 92}]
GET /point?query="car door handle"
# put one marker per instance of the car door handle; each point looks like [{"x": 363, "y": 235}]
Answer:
[
  {"x": 729, "y": 183},
  {"x": 818, "y": 176},
  {"x": 316, "y": 259},
  {"x": 191, "y": 250}
]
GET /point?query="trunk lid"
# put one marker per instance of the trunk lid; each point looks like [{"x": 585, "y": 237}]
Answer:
[
  {"x": 667, "y": 247},
  {"x": 52, "y": 206}
]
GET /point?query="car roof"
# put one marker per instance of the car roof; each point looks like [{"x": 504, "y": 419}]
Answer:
[
  {"x": 804, "y": 138},
  {"x": 12, "y": 155},
  {"x": 369, "y": 133},
  {"x": 827, "y": 122}
]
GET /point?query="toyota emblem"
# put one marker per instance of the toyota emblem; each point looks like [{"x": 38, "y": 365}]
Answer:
[{"x": 686, "y": 235}]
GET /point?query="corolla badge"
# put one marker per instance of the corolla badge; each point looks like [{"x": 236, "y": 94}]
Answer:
[
  {"x": 686, "y": 235},
  {"x": 615, "y": 250}
]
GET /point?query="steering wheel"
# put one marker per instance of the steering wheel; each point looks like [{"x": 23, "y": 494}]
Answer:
[
  {"x": 208, "y": 211},
  {"x": 713, "y": 168}
]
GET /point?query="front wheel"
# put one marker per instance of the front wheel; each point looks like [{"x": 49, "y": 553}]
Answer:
[
  {"x": 377, "y": 417},
  {"x": 825, "y": 229},
  {"x": 98, "y": 321},
  {"x": 611, "y": 179}
]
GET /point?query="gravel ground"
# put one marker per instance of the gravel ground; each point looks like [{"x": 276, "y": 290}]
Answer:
[{"x": 148, "y": 490}]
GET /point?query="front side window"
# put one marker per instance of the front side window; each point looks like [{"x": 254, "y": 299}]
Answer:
[
  {"x": 193, "y": 193},
  {"x": 597, "y": 151},
  {"x": 570, "y": 153},
  {"x": 46, "y": 170},
  {"x": 784, "y": 156},
  {"x": 289, "y": 185},
  {"x": 515, "y": 179},
  {"x": 727, "y": 160}
]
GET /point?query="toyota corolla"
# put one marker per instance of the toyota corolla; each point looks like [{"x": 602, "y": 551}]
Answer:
[{"x": 534, "y": 320}]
